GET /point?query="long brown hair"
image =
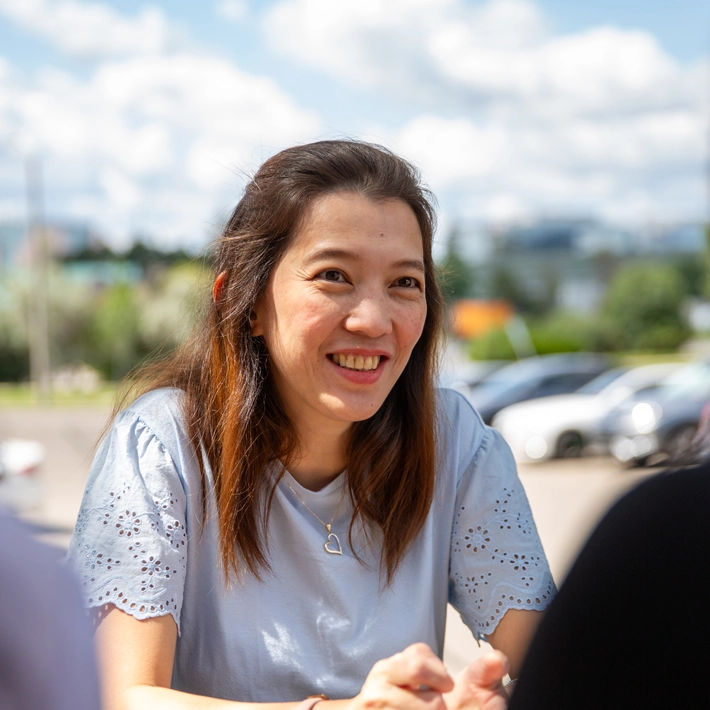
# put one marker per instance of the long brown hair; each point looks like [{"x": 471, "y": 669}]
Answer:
[{"x": 231, "y": 407}]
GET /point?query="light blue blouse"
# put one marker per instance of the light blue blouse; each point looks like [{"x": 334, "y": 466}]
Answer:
[{"x": 318, "y": 622}]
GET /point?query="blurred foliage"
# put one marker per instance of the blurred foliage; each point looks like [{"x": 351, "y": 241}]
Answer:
[
  {"x": 111, "y": 328},
  {"x": 694, "y": 275},
  {"x": 642, "y": 309},
  {"x": 493, "y": 345},
  {"x": 558, "y": 332},
  {"x": 506, "y": 285},
  {"x": 562, "y": 332},
  {"x": 139, "y": 253},
  {"x": 14, "y": 351},
  {"x": 453, "y": 271}
]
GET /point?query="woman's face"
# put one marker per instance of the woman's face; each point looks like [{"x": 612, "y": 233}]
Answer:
[{"x": 343, "y": 309}]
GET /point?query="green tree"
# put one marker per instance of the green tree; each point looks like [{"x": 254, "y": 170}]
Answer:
[
  {"x": 454, "y": 272},
  {"x": 508, "y": 286},
  {"x": 493, "y": 345},
  {"x": 115, "y": 332},
  {"x": 642, "y": 309},
  {"x": 14, "y": 339},
  {"x": 693, "y": 273}
]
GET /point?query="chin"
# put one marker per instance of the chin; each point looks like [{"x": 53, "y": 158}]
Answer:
[{"x": 354, "y": 412}]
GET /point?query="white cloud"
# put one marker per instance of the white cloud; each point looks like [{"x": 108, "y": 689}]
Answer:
[
  {"x": 153, "y": 144},
  {"x": 233, "y": 10},
  {"x": 91, "y": 29},
  {"x": 515, "y": 119}
]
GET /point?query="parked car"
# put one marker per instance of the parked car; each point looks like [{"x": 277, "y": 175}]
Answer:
[
  {"x": 20, "y": 461},
  {"x": 535, "y": 377},
  {"x": 565, "y": 425},
  {"x": 659, "y": 425},
  {"x": 465, "y": 376}
]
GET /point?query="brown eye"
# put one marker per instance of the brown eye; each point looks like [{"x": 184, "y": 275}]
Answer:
[
  {"x": 332, "y": 275},
  {"x": 407, "y": 282}
]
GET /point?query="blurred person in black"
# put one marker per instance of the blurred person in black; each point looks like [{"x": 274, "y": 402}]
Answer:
[
  {"x": 46, "y": 654},
  {"x": 630, "y": 626}
]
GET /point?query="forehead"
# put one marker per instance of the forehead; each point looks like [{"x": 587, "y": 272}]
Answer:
[{"x": 352, "y": 220}]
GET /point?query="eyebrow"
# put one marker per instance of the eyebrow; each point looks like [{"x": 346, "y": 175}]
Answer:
[{"x": 326, "y": 254}]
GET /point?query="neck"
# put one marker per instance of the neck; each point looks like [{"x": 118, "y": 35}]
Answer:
[{"x": 321, "y": 457}]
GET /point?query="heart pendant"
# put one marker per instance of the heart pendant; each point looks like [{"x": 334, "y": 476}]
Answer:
[{"x": 333, "y": 550}]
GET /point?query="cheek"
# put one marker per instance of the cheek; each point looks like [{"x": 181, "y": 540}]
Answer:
[
  {"x": 310, "y": 321},
  {"x": 413, "y": 324}
]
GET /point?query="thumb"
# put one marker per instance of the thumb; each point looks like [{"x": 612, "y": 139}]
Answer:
[{"x": 487, "y": 672}]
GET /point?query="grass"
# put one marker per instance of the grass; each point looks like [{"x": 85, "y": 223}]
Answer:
[
  {"x": 635, "y": 359},
  {"x": 23, "y": 395}
]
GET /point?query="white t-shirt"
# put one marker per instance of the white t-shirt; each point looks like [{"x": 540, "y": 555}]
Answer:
[{"x": 318, "y": 622}]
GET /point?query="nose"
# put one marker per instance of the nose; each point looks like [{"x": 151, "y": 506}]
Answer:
[{"x": 370, "y": 316}]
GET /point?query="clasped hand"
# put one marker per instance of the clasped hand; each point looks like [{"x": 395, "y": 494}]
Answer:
[{"x": 416, "y": 679}]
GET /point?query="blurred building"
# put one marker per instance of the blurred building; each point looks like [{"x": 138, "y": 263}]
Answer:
[{"x": 566, "y": 262}]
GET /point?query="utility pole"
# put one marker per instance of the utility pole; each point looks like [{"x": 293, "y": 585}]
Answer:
[{"x": 38, "y": 311}]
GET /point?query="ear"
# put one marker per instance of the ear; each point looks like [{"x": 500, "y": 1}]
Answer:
[{"x": 218, "y": 287}]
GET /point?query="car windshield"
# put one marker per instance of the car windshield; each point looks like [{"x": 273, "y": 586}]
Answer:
[
  {"x": 691, "y": 382},
  {"x": 596, "y": 385}
]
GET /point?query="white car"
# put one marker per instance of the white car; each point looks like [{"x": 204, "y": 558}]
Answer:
[
  {"x": 563, "y": 425},
  {"x": 20, "y": 461}
]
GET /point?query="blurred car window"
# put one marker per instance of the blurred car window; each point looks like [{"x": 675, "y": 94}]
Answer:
[
  {"x": 560, "y": 384},
  {"x": 599, "y": 383}
]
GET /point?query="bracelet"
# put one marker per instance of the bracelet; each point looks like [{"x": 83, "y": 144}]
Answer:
[{"x": 310, "y": 701}]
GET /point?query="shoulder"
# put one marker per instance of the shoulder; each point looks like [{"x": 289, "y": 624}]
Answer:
[
  {"x": 164, "y": 404},
  {"x": 462, "y": 435},
  {"x": 669, "y": 505},
  {"x": 456, "y": 411},
  {"x": 160, "y": 411}
]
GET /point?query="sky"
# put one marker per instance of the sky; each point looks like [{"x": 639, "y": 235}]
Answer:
[{"x": 148, "y": 117}]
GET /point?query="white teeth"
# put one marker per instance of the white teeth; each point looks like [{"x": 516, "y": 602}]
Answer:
[{"x": 356, "y": 362}]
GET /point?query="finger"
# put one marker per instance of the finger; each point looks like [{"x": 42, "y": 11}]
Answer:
[
  {"x": 411, "y": 699},
  {"x": 487, "y": 671},
  {"x": 418, "y": 666}
]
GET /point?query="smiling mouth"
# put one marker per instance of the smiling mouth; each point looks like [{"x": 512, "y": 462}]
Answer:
[{"x": 355, "y": 362}]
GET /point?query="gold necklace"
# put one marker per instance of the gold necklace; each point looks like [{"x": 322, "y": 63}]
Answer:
[{"x": 332, "y": 539}]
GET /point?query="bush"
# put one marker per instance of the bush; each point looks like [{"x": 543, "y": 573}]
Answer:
[
  {"x": 642, "y": 310},
  {"x": 14, "y": 343},
  {"x": 493, "y": 345},
  {"x": 562, "y": 333}
]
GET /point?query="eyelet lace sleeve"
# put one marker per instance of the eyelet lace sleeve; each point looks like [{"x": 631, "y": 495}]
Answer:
[
  {"x": 497, "y": 560},
  {"x": 129, "y": 543}
]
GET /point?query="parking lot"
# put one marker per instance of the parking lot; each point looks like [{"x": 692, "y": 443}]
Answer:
[{"x": 567, "y": 496}]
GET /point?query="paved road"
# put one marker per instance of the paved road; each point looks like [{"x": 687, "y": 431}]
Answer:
[{"x": 567, "y": 497}]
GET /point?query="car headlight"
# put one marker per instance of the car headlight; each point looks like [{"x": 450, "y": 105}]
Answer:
[{"x": 645, "y": 416}]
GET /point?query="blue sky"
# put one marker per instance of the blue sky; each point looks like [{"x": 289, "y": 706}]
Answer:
[{"x": 148, "y": 116}]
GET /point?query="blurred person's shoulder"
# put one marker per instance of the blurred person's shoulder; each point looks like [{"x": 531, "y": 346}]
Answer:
[
  {"x": 672, "y": 495},
  {"x": 45, "y": 636}
]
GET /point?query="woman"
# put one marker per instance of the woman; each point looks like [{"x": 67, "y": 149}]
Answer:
[{"x": 292, "y": 501}]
